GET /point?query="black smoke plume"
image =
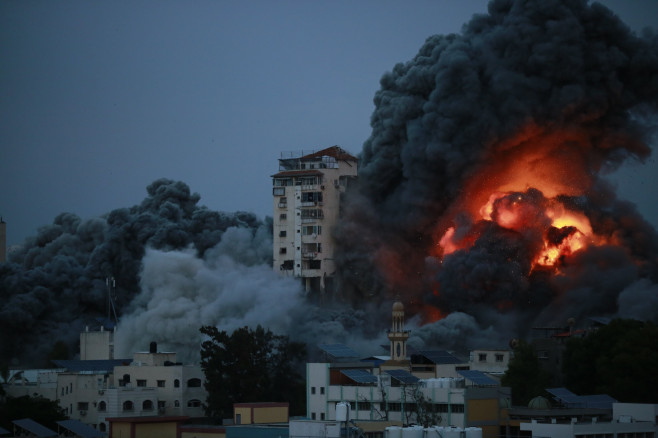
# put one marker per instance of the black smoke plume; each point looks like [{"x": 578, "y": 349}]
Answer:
[
  {"x": 562, "y": 88},
  {"x": 55, "y": 283}
]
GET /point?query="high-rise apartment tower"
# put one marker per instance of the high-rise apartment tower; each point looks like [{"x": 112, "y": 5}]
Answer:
[{"x": 307, "y": 192}]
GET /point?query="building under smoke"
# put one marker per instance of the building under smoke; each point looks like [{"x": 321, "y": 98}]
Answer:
[
  {"x": 307, "y": 195},
  {"x": 482, "y": 187}
]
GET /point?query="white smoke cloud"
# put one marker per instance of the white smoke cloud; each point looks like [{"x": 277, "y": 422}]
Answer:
[{"x": 181, "y": 292}]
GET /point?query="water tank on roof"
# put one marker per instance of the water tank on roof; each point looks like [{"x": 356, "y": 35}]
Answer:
[
  {"x": 393, "y": 432},
  {"x": 473, "y": 432},
  {"x": 342, "y": 411},
  {"x": 452, "y": 432},
  {"x": 412, "y": 432}
]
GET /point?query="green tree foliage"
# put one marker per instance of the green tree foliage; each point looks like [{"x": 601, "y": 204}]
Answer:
[
  {"x": 525, "y": 375},
  {"x": 39, "y": 409},
  {"x": 618, "y": 359},
  {"x": 251, "y": 366}
]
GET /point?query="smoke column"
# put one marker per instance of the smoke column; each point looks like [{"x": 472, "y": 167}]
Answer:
[
  {"x": 55, "y": 283},
  {"x": 482, "y": 146}
]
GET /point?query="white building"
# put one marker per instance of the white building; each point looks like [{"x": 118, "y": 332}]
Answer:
[
  {"x": 151, "y": 384},
  {"x": 629, "y": 420},
  {"x": 306, "y": 193},
  {"x": 393, "y": 389},
  {"x": 493, "y": 361}
]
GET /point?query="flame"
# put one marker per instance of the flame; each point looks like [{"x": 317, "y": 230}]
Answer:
[{"x": 519, "y": 189}]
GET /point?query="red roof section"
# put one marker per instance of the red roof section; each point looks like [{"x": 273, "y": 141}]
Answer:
[
  {"x": 334, "y": 151},
  {"x": 297, "y": 173}
]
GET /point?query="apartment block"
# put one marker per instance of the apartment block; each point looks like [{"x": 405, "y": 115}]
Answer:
[{"x": 307, "y": 195}]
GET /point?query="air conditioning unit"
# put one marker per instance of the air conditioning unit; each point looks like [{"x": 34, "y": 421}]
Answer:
[{"x": 83, "y": 412}]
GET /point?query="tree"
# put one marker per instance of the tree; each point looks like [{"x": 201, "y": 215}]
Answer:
[
  {"x": 39, "y": 409},
  {"x": 249, "y": 366},
  {"x": 422, "y": 407},
  {"x": 618, "y": 359},
  {"x": 525, "y": 375}
]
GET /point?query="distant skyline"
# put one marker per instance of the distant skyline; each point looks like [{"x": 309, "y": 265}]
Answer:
[{"x": 100, "y": 99}]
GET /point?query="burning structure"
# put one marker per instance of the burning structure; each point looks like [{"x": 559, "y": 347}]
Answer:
[
  {"x": 482, "y": 189},
  {"x": 481, "y": 200}
]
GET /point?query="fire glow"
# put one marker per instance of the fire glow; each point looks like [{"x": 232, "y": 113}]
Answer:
[{"x": 530, "y": 176}]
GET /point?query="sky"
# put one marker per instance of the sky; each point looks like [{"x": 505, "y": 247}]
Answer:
[{"x": 99, "y": 99}]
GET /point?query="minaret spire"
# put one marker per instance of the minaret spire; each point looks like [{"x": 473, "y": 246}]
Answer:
[{"x": 398, "y": 336}]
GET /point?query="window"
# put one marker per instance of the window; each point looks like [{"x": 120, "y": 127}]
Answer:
[
  {"x": 161, "y": 383},
  {"x": 283, "y": 216},
  {"x": 287, "y": 265},
  {"x": 312, "y": 197},
  {"x": 141, "y": 382},
  {"x": 283, "y": 250},
  {"x": 83, "y": 406},
  {"x": 364, "y": 406},
  {"x": 176, "y": 383},
  {"x": 102, "y": 406},
  {"x": 128, "y": 406},
  {"x": 311, "y": 230},
  {"x": 482, "y": 357},
  {"x": 312, "y": 213},
  {"x": 194, "y": 403},
  {"x": 176, "y": 404},
  {"x": 314, "y": 264},
  {"x": 194, "y": 383},
  {"x": 101, "y": 427},
  {"x": 312, "y": 389},
  {"x": 457, "y": 409},
  {"x": 278, "y": 191},
  {"x": 161, "y": 404},
  {"x": 282, "y": 182},
  {"x": 147, "y": 405},
  {"x": 312, "y": 415},
  {"x": 322, "y": 416},
  {"x": 322, "y": 390},
  {"x": 282, "y": 233},
  {"x": 499, "y": 357},
  {"x": 394, "y": 407}
]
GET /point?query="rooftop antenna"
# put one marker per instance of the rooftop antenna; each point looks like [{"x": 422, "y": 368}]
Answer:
[{"x": 111, "y": 292}]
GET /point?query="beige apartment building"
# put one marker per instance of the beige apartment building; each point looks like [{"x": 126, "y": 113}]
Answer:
[
  {"x": 307, "y": 194},
  {"x": 96, "y": 389}
]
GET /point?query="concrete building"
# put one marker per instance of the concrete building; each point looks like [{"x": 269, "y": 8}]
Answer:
[
  {"x": 307, "y": 191},
  {"x": 151, "y": 384},
  {"x": 97, "y": 344},
  {"x": 492, "y": 361},
  {"x": 398, "y": 389},
  {"x": 629, "y": 420}
]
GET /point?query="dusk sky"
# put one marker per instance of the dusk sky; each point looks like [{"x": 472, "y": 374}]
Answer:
[{"x": 99, "y": 99}]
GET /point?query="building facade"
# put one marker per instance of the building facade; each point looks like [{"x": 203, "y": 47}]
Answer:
[
  {"x": 427, "y": 386},
  {"x": 307, "y": 192}
]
